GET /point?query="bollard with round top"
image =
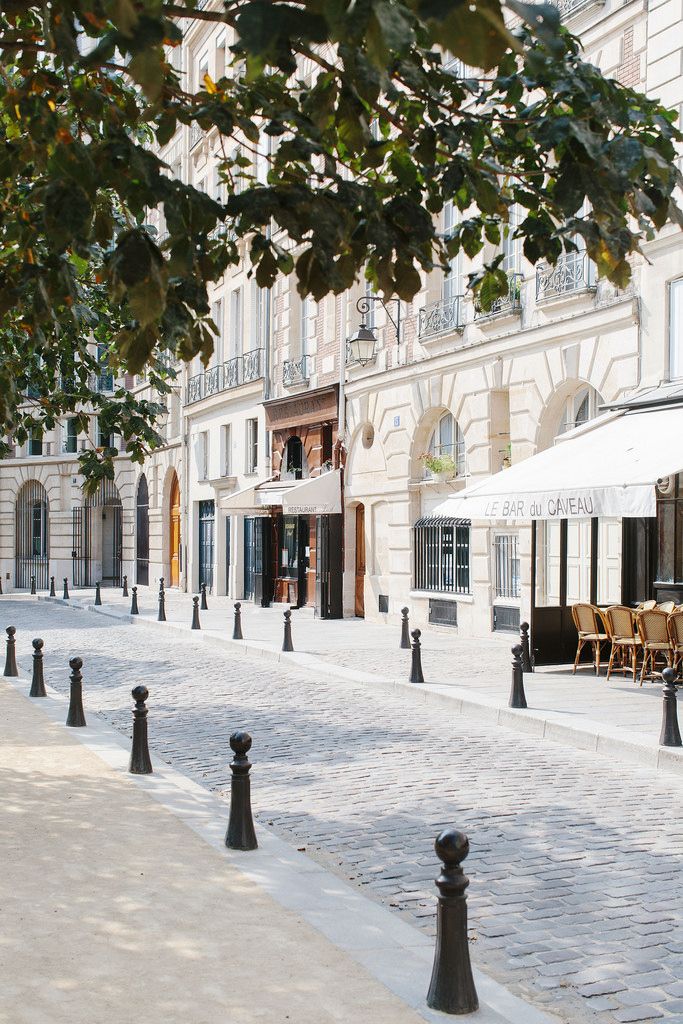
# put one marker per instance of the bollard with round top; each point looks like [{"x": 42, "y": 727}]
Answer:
[
  {"x": 52, "y": 587},
  {"x": 124, "y": 592},
  {"x": 161, "y": 617},
  {"x": 37, "y": 678},
  {"x": 527, "y": 665},
  {"x": 65, "y": 592},
  {"x": 11, "y": 656},
  {"x": 33, "y": 585},
  {"x": 0, "y": 586},
  {"x": 237, "y": 624},
  {"x": 451, "y": 989},
  {"x": 670, "y": 735},
  {"x": 240, "y": 834},
  {"x": 134, "y": 610},
  {"x": 98, "y": 595},
  {"x": 140, "y": 761},
  {"x": 75, "y": 715},
  {"x": 287, "y": 644},
  {"x": 416, "y": 675},
  {"x": 517, "y": 695},
  {"x": 204, "y": 606},
  {"x": 195, "y": 614},
  {"x": 161, "y": 583},
  {"x": 405, "y": 630}
]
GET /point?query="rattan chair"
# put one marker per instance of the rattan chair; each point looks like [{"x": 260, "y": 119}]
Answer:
[
  {"x": 667, "y": 606},
  {"x": 626, "y": 643},
  {"x": 646, "y": 606},
  {"x": 654, "y": 635},
  {"x": 591, "y": 629},
  {"x": 675, "y": 627}
]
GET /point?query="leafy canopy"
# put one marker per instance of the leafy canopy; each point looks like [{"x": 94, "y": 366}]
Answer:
[{"x": 365, "y": 131}]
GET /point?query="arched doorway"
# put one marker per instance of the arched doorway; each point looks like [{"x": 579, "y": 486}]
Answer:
[
  {"x": 142, "y": 533},
  {"x": 174, "y": 532},
  {"x": 360, "y": 562},
  {"x": 97, "y": 537},
  {"x": 31, "y": 540}
]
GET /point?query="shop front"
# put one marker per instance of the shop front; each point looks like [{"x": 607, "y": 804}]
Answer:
[{"x": 605, "y": 511}]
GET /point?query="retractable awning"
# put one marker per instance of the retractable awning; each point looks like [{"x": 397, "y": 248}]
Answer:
[
  {"x": 608, "y": 467},
  {"x": 257, "y": 497},
  {"x": 319, "y": 496}
]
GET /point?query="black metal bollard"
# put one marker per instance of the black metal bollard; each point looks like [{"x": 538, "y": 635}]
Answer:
[
  {"x": 416, "y": 675},
  {"x": 11, "y": 656},
  {"x": 76, "y": 716},
  {"x": 65, "y": 592},
  {"x": 287, "y": 644},
  {"x": 195, "y": 613},
  {"x": 237, "y": 625},
  {"x": 0, "y": 586},
  {"x": 161, "y": 585},
  {"x": 451, "y": 989},
  {"x": 134, "y": 610},
  {"x": 98, "y": 595},
  {"x": 140, "y": 762},
  {"x": 52, "y": 587},
  {"x": 527, "y": 665},
  {"x": 405, "y": 630},
  {"x": 204, "y": 606},
  {"x": 161, "y": 617},
  {"x": 37, "y": 679},
  {"x": 517, "y": 695},
  {"x": 33, "y": 585},
  {"x": 671, "y": 734},
  {"x": 240, "y": 834},
  {"x": 124, "y": 593}
]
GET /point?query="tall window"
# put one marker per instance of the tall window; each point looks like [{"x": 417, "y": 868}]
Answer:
[
  {"x": 251, "y": 446},
  {"x": 236, "y": 323},
  {"x": 203, "y": 455},
  {"x": 31, "y": 530},
  {"x": 226, "y": 449},
  {"x": 217, "y": 317},
  {"x": 506, "y": 554},
  {"x": 676, "y": 329},
  {"x": 447, "y": 440},
  {"x": 579, "y": 408},
  {"x": 70, "y": 436},
  {"x": 511, "y": 249},
  {"x": 452, "y": 282},
  {"x": 35, "y": 442},
  {"x": 288, "y": 560},
  {"x": 260, "y": 326},
  {"x": 441, "y": 550},
  {"x": 304, "y": 315},
  {"x": 295, "y": 464}
]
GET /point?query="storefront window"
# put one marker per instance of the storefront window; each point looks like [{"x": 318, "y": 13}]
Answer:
[
  {"x": 609, "y": 561},
  {"x": 548, "y": 559},
  {"x": 442, "y": 555},
  {"x": 289, "y": 562}
]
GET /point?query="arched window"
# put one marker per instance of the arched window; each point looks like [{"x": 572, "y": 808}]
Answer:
[
  {"x": 142, "y": 532},
  {"x": 294, "y": 462},
  {"x": 579, "y": 408},
  {"x": 31, "y": 547},
  {"x": 448, "y": 444}
]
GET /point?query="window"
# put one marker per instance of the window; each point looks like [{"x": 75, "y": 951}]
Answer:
[
  {"x": 252, "y": 446},
  {"x": 217, "y": 317},
  {"x": 447, "y": 440},
  {"x": 295, "y": 464},
  {"x": 226, "y": 449},
  {"x": 510, "y": 246},
  {"x": 202, "y": 69},
  {"x": 676, "y": 329},
  {"x": 221, "y": 51},
  {"x": 236, "y": 323},
  {"x": 104, "y": 439},
  {"x": 288, "y": 561},
  {"x": 203, "y": 455},
  {"x": 579, "y": 408},
  {"x": 370, "y": 293},
  {"x": 70, "y": 437},
  {"x": 35, "y": 442},
  {"x": 452, "y": 282},
  {"x": 304, "y": 314},
  {"x": 441, "y": 548},
  {"x": 506, "y": 557},
  {"x": 260, "y": 326}
]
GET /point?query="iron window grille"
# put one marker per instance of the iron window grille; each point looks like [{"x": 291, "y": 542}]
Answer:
[
  {"x": 506, "y": 558},
  {"x": 441, "y": 552}
]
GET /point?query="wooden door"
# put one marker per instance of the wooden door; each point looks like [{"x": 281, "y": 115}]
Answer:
[
  {"x": 175, "y": 533},
  {"x": 360, "y": 562}
]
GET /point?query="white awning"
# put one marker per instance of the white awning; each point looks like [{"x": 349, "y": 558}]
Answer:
[
  {"x": 241, "y": 501},
  {"x": 608, "y": 467},
  {"x": 319, "y": 496},
  {"x": 257, "y": 497}
]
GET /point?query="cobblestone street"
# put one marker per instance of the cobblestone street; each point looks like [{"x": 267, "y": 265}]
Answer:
[{"x": 576, "y": 891}]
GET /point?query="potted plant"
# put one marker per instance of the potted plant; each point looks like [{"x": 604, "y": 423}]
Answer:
[{"x": 442, "y": 467}]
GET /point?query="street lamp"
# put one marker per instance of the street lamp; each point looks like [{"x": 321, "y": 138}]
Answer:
[
  {"x": 362, "y": 346},
  {"x": 363, "y": 307}
]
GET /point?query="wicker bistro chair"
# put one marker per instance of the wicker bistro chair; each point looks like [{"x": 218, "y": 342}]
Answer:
[
  {"x": 675, "y": 627},
  {"x": 626, "y": 644},
  {"x": 666, "y": 606},
  {"x": 591, "y": 629},
  {"x": 654, "y": 635},
  {"x": 646, "y": 606}
]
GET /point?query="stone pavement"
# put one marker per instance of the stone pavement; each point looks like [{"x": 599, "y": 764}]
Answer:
[
  {"x": 576, "y": 895},
  {"x": 472, "y": 676}
]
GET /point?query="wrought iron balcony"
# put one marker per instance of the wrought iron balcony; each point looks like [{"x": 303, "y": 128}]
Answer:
[
  {"x": 212, "y": 381},
  {"x": 101, "y": 382},
  {"x": 573, "y": 272},
  {"x": 195, "y": 388},
  {"x": 510, "y": 303},
  {"x": 294, "y": 371},
  {"x": 196, "y": 135},
  {"x": 251, "y": 365},
  {"x": 568, "y": 8},
  {"x": 230, "y": 374},
  {"x": 441, "y": 317}
]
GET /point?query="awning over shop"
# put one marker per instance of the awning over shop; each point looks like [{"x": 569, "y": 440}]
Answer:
[
  {"x": 257, "y": 498},
  {"x": 608, "y": 467},
  {"x": 319, "y": 496}
]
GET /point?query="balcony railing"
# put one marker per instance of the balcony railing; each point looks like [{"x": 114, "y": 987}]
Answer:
[
  {"x": 567, "y": 8},
  {"x": 510, "y": 303},
  {"x": 231, "y": 374},
  {"x": 101, "y": 382},
  {"x": 573, "y": 272},
  {"x": 294, "y": 371},
  {"x": 196, "y": 135},
  {"x": 441, "y": 317}
]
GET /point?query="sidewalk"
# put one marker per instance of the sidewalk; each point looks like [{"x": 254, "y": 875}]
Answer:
[
  {"x": 617, "y": 719},
  {"x": 121, "y": 904}
]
